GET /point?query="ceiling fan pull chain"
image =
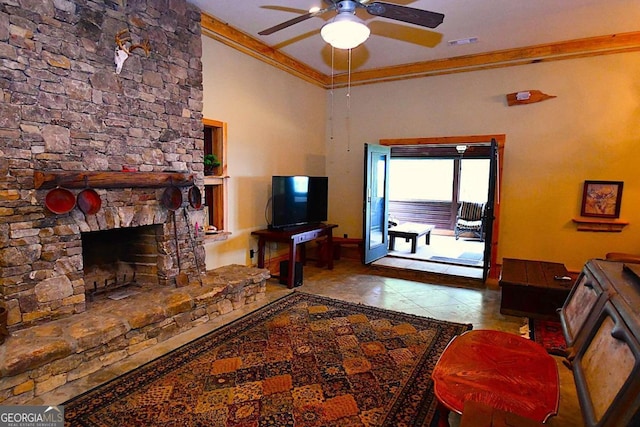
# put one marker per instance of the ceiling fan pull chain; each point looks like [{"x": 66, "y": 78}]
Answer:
[
  {"x": 349, "y": 80},
  {"x": 332, "y": 87},
  {"x": 349, "y": 106}
]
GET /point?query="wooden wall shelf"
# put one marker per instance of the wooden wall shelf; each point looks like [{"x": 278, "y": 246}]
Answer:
[
  {"x": 602, "y": 225},
  {"x": 214, "y": 179},
  {"x": 110, "y": 179},
  {"x": 216, "y": 237}
]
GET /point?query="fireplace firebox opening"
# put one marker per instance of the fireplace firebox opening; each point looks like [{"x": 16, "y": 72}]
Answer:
[{"x": 120, "y": 258}]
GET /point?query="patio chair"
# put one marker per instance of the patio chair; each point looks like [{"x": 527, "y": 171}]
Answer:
[{"x": 470, "y": 218}]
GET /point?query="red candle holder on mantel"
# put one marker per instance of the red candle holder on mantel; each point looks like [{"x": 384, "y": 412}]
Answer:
[{"x": 126, "y": 168}]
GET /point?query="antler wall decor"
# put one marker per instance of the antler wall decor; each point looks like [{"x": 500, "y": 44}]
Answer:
[{"x": 125, "y": 47}]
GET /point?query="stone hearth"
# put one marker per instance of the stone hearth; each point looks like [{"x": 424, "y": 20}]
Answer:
[{"x": 42, "y": 358}]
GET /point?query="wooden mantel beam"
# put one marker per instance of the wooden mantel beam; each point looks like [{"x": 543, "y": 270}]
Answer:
[
  {"x": 109, "y": 179},
  {"x": 571, "y": 49}
]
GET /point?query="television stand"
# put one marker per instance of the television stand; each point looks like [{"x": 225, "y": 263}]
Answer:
[
  {"x": 288, "y": 228},
  {"x": 294, "y": 236}
]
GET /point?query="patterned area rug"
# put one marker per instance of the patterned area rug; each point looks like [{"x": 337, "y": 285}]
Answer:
[
  {"x": 303, "y": 361},
  {"x": 548, "y": 333}
]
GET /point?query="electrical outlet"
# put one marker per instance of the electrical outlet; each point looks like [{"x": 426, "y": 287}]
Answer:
[{"x": 251, "y": 253}]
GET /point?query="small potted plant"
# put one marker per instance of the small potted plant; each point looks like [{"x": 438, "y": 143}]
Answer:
[{"x": 210, "y": 161}]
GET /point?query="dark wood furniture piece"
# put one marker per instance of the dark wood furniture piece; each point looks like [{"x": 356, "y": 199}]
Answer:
[
  {"x": 295, "y": 236},
  {"x": 623, "y": 257},
  {"x": 601, "y": 322},
  {"x": 338, "y": 243},
  {"x": 535, "y": 289},
  {"x": 498, "y": 369},
  {"x": 410, "y": 231},
  {"x": 476, "y": 414}
]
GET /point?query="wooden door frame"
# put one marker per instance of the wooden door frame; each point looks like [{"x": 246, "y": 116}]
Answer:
[{"x": 469, "y": 140}]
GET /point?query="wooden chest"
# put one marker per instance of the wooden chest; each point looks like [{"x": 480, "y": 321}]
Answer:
[{"x": 533, "y": 288}]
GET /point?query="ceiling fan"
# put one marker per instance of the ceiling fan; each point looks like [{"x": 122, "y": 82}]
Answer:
[{"x": 346, "y": 30}]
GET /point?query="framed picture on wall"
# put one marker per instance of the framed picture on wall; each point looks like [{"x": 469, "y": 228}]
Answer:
[{"x": 601, "y": 199}]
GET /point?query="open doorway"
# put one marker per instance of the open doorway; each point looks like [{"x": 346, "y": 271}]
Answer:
[
  {"x": 442, "y": 215},
  {"x": 433, "y": 188}
]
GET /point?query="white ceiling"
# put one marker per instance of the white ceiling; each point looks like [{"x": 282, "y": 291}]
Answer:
[{"x": 498, "y": 25}]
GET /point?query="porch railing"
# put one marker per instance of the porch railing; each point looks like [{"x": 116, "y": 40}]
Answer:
[{"x": 441, "y": 214}]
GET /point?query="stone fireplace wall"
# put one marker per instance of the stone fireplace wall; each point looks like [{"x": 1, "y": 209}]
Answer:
[{"x": 64, "y": 108}]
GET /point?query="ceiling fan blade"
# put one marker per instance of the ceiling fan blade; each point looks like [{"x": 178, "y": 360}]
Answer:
[
  {"x": 285, "y": 24},
  {"x": 420, "y": 17},
  {"x": 293, "y": 21}
]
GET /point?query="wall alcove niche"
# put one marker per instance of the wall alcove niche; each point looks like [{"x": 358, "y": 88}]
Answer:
[{"x": 215, "y": 186}]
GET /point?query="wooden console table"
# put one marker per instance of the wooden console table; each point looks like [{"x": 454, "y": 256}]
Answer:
[{"x": 294, "y": 236}]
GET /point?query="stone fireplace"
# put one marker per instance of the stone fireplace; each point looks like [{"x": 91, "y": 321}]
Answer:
[
  {"x": 67, "y": 114},
  {"x": 140, "y": 245}
]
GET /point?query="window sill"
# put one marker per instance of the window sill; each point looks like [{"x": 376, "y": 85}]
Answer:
[
  {"x": 217, "y": 236},
  {"x": 214, "y": 179}
]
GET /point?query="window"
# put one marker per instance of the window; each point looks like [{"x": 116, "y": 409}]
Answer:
[
  {"x": 421, "y": 179},
  {"x": 432, "y": 179},
  {"x": 215, "y": 185},
  {"x": 474, "y": 181}
]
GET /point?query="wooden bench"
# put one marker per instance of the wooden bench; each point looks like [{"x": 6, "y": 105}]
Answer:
[{"x": 410, "y": 231}]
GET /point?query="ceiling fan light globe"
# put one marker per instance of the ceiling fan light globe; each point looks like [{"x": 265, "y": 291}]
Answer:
[{"x": 345, "y": 31}]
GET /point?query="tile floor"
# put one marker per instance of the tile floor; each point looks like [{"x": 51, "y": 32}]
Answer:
[{"x": 351, "y": 281}]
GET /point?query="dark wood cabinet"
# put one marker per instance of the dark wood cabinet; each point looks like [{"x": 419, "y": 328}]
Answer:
[{"x": 601, "y": 323}]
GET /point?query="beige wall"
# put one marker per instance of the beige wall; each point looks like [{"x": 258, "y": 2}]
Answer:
[
  {"x": 276, "y": 124},
  {"x": 591, "y": 131}
]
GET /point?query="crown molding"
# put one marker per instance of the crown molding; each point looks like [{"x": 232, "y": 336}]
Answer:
[
  {"x": 226, "y": 34},
  {"x": 571, "y": 49}
]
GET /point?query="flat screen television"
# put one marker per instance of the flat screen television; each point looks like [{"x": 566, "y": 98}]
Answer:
[{"x": 298, "y": 200}]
